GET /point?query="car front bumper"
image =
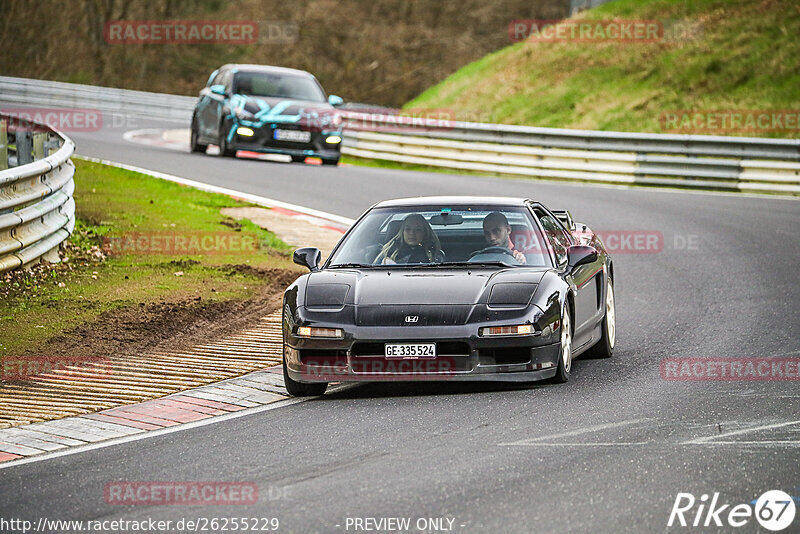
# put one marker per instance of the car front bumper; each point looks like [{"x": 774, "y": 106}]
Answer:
[
  {"x": 263, "y": 141},
  {"x": 359, "y": 358}
]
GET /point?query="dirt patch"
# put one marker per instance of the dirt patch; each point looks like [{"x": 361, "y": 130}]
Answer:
[{"x": 170, "y": 326}]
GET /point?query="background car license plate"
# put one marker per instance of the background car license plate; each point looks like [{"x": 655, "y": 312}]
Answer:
[
  {"x": 410, "y": 350},
  {"x": 299, "y": 136}
]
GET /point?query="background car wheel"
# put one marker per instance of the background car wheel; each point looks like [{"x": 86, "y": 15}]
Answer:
[
  {"x": 298, "y": 389},
  {"x": 565, "y": 355},
  {"x": 608, "y": 337},
  {"x": 224, "y": 150},
  {"x": 193, "y": 144}
]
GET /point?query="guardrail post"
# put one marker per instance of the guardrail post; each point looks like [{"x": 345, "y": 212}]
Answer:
[
  {"x": 3, "y": 144},
  {"x": 38, "y": 150},
  {"x": 24, "y": 141}
]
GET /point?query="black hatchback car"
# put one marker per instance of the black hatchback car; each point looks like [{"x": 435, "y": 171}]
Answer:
[
  {"x": 267, "y": 109},
  {"x": 450, "y": 288}
]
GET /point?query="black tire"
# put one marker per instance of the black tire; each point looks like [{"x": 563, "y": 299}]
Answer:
[
  {"x": 564, "y": 360},
  {"x": 224, "y": 150},
  {"x": 604, "y": 348},
  {"x": 298, "y": 159},
  {"x": 193, "y": 144},
  {"x": 299, "y": 389},
  {"x": 333, "y": 162}
]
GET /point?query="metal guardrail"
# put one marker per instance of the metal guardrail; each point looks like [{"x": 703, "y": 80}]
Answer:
[
  {"x": 42, "y": 93},
  {"x": 692, "y": 161},
  {"x": 37, "y": 211}
]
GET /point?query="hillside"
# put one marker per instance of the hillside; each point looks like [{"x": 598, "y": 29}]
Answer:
[
  {"x": 378, "y": 51},
  {"x": 716, "y": 55}
]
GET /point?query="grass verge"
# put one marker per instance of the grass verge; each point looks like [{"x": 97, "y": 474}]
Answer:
[{"x": 138, "y": 243}]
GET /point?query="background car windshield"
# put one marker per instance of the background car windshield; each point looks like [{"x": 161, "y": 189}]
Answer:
[
  {"x": 457, "y": 237},
  {"x": 278, "y": 86}
]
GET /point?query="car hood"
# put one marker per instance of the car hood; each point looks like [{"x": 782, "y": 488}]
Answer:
[{"x": 428, "y": 286}]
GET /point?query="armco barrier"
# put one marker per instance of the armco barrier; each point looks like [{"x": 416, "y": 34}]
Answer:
[
  {"x": 37, "y": 211},
  {"x": 693, "y": 161}
]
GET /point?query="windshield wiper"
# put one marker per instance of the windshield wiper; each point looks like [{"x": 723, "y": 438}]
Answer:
[
  {"x": 350, "y": 265},
  {"x": 474, "y": 264}
]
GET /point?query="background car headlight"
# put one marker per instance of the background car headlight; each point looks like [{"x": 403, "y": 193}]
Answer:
[{"x": 313, "y": 331}]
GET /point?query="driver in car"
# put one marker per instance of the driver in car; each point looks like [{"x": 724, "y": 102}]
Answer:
[{"x": 497, "y": 232}]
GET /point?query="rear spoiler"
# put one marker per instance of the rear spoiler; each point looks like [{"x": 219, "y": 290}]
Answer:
[{"x": 566, "y": 218}]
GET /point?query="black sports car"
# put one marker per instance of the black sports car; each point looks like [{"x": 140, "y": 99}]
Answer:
[
  {"x": 267, "y": 109},
  {"x": 450, "y": 288}
]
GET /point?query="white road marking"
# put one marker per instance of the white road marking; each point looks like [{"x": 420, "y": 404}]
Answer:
[
  {"x": 712, "y": 439},
  {"x": 766, "y": 443},
  {"x": 577, "y": 432}
]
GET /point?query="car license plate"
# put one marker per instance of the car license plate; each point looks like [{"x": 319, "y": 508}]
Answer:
[
  {"x": 298, "y": 136},
  {"x": 410, "y": 351}
]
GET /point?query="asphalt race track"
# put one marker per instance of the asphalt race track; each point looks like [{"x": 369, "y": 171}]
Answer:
[{"x": 607, "y": 452}]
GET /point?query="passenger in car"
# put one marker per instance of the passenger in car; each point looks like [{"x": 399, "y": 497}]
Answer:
[
  {"x": 497, "y": 232},
  {"x": 415, "y": 242}
]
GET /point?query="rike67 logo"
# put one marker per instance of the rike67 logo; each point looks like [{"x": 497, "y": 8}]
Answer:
[{"x": 774, "y": 511}]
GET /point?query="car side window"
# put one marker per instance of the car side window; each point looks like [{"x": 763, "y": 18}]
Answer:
[{"x": 556, "y": 236}]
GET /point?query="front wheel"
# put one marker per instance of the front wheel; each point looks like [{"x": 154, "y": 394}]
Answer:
[
  {"x": 565, "y": 355},
  {"x": 608, "y": 336},
  {"x": 224, "y": 150},
  {"x": 299, "y": 389}
]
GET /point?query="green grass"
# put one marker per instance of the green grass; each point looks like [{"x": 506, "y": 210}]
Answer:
[
  {"x": 115, "y": 203},
  {"x": 745, "y": 56}
]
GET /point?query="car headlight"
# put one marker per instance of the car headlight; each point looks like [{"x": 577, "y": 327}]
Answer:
[
  {"x": 313, "y": 331},
  {"x": 513, "y": 330}
]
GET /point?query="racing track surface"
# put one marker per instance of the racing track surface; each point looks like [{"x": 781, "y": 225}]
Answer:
[{"x": 607, "y": 452}]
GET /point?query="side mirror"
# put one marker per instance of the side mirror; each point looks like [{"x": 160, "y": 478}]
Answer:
[
  {"x": 334, "y": 100},
  {"x": 581, "y": 255},
  {"x": 307, "y": 257},
  {"x": 218, "y": 90}
]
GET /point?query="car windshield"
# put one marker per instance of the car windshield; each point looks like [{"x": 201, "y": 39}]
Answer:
[
  {"x": 432, "y": 236},
  {"x": 278, "y": 86}
]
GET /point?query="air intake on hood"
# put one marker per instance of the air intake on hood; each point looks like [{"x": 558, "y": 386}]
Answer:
[
  {"x": 326, "y": 295},
  {"x": 511, "y": 294}
]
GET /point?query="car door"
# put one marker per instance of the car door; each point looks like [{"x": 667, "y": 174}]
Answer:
[
  {"x": 207, "y": 109},
  {"x": 583, "y": 279}
]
